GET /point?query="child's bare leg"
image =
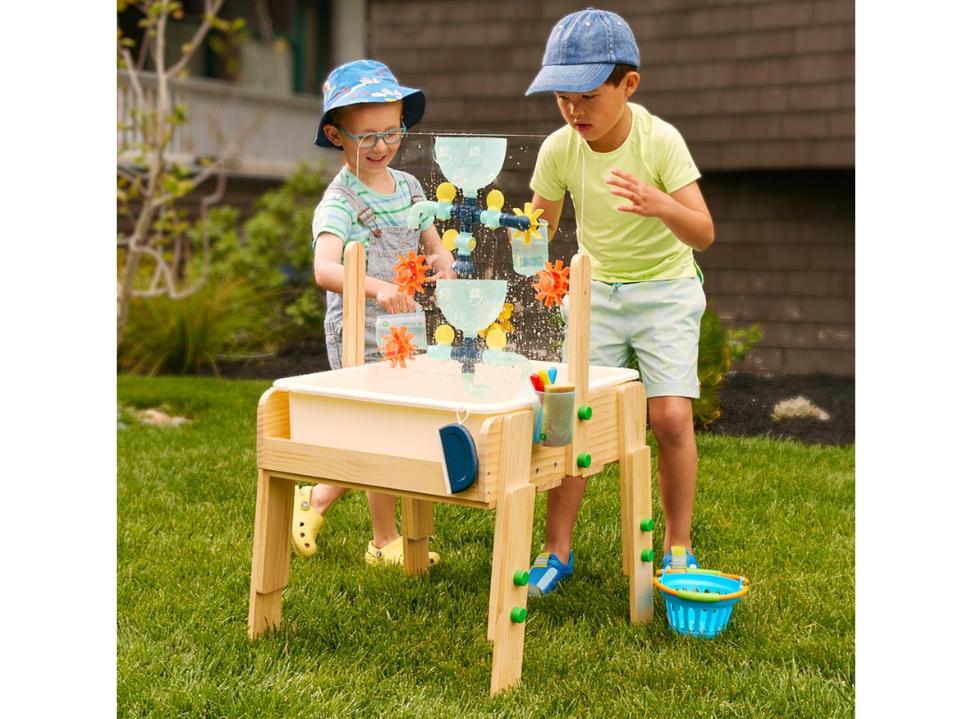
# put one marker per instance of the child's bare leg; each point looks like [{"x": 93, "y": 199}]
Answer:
[
  {"x": 383, "y": 516},
  {"x": 562, "y": 506},
  {"x": 323, "y": 495},
  {"x": 671, "y": 419}
]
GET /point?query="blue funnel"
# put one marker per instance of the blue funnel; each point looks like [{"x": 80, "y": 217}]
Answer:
[
  {"x": 470, "y": 162},
  {"x": 470, "y": 305}
]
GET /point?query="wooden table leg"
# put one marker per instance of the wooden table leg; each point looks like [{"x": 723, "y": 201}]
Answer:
[
  {"x": 635, "y": 469},
  {"x": 513, "y": 537},
  {"x": 417, "y": 521},
  {"x": 271, "y": 552},
  {"x": 636, "y": 500},
  {"x": 625, "y": 503}
]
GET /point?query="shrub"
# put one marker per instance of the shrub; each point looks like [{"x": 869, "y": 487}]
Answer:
[
  {"x": 719, "y": 348},
  {"x": 259, "y": 295},
  {"x": 187, "y": 335},
  {"x": 274, "y": 256}
]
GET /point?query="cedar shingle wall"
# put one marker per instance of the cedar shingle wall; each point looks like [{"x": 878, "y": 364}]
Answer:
[
  {"x": 784, "y": 257},
  {"x": 750, "y": 84},
  {"x": 763, "y": 92}
]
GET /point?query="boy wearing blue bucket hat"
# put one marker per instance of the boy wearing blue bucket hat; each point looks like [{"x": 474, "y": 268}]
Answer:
[
  {"x": 639, "y": 216},
  {"x": 366, "y": 113}
]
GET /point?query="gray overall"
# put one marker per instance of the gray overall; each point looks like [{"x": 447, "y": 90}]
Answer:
[{"x": 386, "y": 246}]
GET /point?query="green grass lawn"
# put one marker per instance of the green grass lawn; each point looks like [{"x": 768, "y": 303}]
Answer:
[{"x": 360, "y": 642}]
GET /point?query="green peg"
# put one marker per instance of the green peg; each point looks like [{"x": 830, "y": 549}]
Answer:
[
  {"x": 647, "y": 525},
  {"x": 585, "y": 412},
  {"x": 518, "y": 614},
  {"x": 646, "y": 555},
  {"x": 583, "y": 460},
  {"x": 520, "y": 577}
]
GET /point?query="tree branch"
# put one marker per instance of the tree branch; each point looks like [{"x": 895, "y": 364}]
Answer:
[{"x": 211, "y": 9}]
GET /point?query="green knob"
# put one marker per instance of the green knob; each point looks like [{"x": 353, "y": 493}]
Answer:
[
  {"x": 518, "y": 614},
  {"x": 542, "y": 437},
  {"x": 583, "y": 460},
  {"x": 646, "y": 555},
  {"x": 520, "y": 577},
  {"x": 647, "y": 525},
  {"x": 585, "y": 412}
]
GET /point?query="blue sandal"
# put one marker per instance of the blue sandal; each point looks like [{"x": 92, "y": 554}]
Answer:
[
  {"x": 679, "y": 558},
  {"x": 546, "y": 573}
]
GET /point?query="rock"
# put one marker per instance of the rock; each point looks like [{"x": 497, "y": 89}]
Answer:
[
  {"x": 798, "y": 408},
  {"x": 157, "y": 418}
]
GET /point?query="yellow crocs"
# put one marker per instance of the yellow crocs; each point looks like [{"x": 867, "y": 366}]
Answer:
[
  {"x": 392, "y": 553},
  {"x": 306, "y": 522}
]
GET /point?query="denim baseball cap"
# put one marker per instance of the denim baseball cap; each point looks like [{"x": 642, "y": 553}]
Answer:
[
  {"x": 367, "y": 81},
  {"x": 582, "y": 51}
]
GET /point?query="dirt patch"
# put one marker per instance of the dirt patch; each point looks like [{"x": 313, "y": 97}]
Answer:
[{"x": 747, "y": 400}]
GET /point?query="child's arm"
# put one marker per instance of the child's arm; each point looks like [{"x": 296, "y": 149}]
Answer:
[
  {"x": 329, "y": 273},
  {"x": 683, "y": 211},
  {"x": 439, "y": 258},
  {"x": 552, "y": 209}
]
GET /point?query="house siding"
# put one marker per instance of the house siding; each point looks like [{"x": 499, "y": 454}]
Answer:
[{"x": 763, "y": 92}]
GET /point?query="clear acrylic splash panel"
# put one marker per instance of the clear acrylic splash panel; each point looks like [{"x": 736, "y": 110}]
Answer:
[{"x": 484, "y": 163}]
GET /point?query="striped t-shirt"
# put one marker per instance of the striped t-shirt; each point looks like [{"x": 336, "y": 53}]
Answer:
[{"x": 335, "y": 215}]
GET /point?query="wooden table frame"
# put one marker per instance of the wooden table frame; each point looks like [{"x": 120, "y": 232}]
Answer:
[{"x": 511, "y": 468}]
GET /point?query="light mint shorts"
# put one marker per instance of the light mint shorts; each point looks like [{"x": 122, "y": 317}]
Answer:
[{"x": 659, "y": 321}]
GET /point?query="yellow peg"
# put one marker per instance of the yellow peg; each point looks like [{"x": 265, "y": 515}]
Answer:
[
  {"x": 449, "y": 239},
  {"x": 446, "y": 192},
  {"x": 444, "y": 335},
  {"x": 496, "y": 339},
  {"x": 495, "y": 200},
  {"x": 544, "y": 376}
]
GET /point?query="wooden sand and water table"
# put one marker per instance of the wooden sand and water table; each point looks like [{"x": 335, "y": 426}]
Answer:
[{"x": 316, "y": 428}]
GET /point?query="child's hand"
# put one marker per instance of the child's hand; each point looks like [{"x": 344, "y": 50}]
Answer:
[
  {"x": 644, "y": 200},
  {"x": 392, "y": 300},
  {"x": 442, "y": 265}
]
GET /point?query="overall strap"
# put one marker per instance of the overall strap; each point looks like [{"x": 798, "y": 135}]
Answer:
[{"x": 364, "y": 213}]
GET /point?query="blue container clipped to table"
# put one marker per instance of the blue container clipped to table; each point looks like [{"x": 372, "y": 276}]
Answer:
[{"x": 699, "y": 602}]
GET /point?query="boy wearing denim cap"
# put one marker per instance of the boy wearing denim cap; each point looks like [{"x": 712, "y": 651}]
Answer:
[
  {"x": 366, "y": 113},
  {"x": 639, "y": 216}
]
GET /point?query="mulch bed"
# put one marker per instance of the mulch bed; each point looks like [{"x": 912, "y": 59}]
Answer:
[{"x": 747, "y": 400}]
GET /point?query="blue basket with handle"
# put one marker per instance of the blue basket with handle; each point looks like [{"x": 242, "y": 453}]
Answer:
[{"x": 699, "y": 602}]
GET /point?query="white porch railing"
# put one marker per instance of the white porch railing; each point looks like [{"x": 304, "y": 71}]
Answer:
[{"x": 270, "y": 133}]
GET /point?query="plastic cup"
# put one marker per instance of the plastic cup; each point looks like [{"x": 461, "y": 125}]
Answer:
[
  {"x": 553, "y": 423},
  {"x": 528, "y": 259}
]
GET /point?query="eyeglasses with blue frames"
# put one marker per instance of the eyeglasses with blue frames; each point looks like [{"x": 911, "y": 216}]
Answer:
[{"x": 369, "y": 139}]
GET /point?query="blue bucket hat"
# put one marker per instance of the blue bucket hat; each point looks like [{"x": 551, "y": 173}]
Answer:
[
  {"x": 582, "y": 51},
  {"x": 367, "y": 81}
]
